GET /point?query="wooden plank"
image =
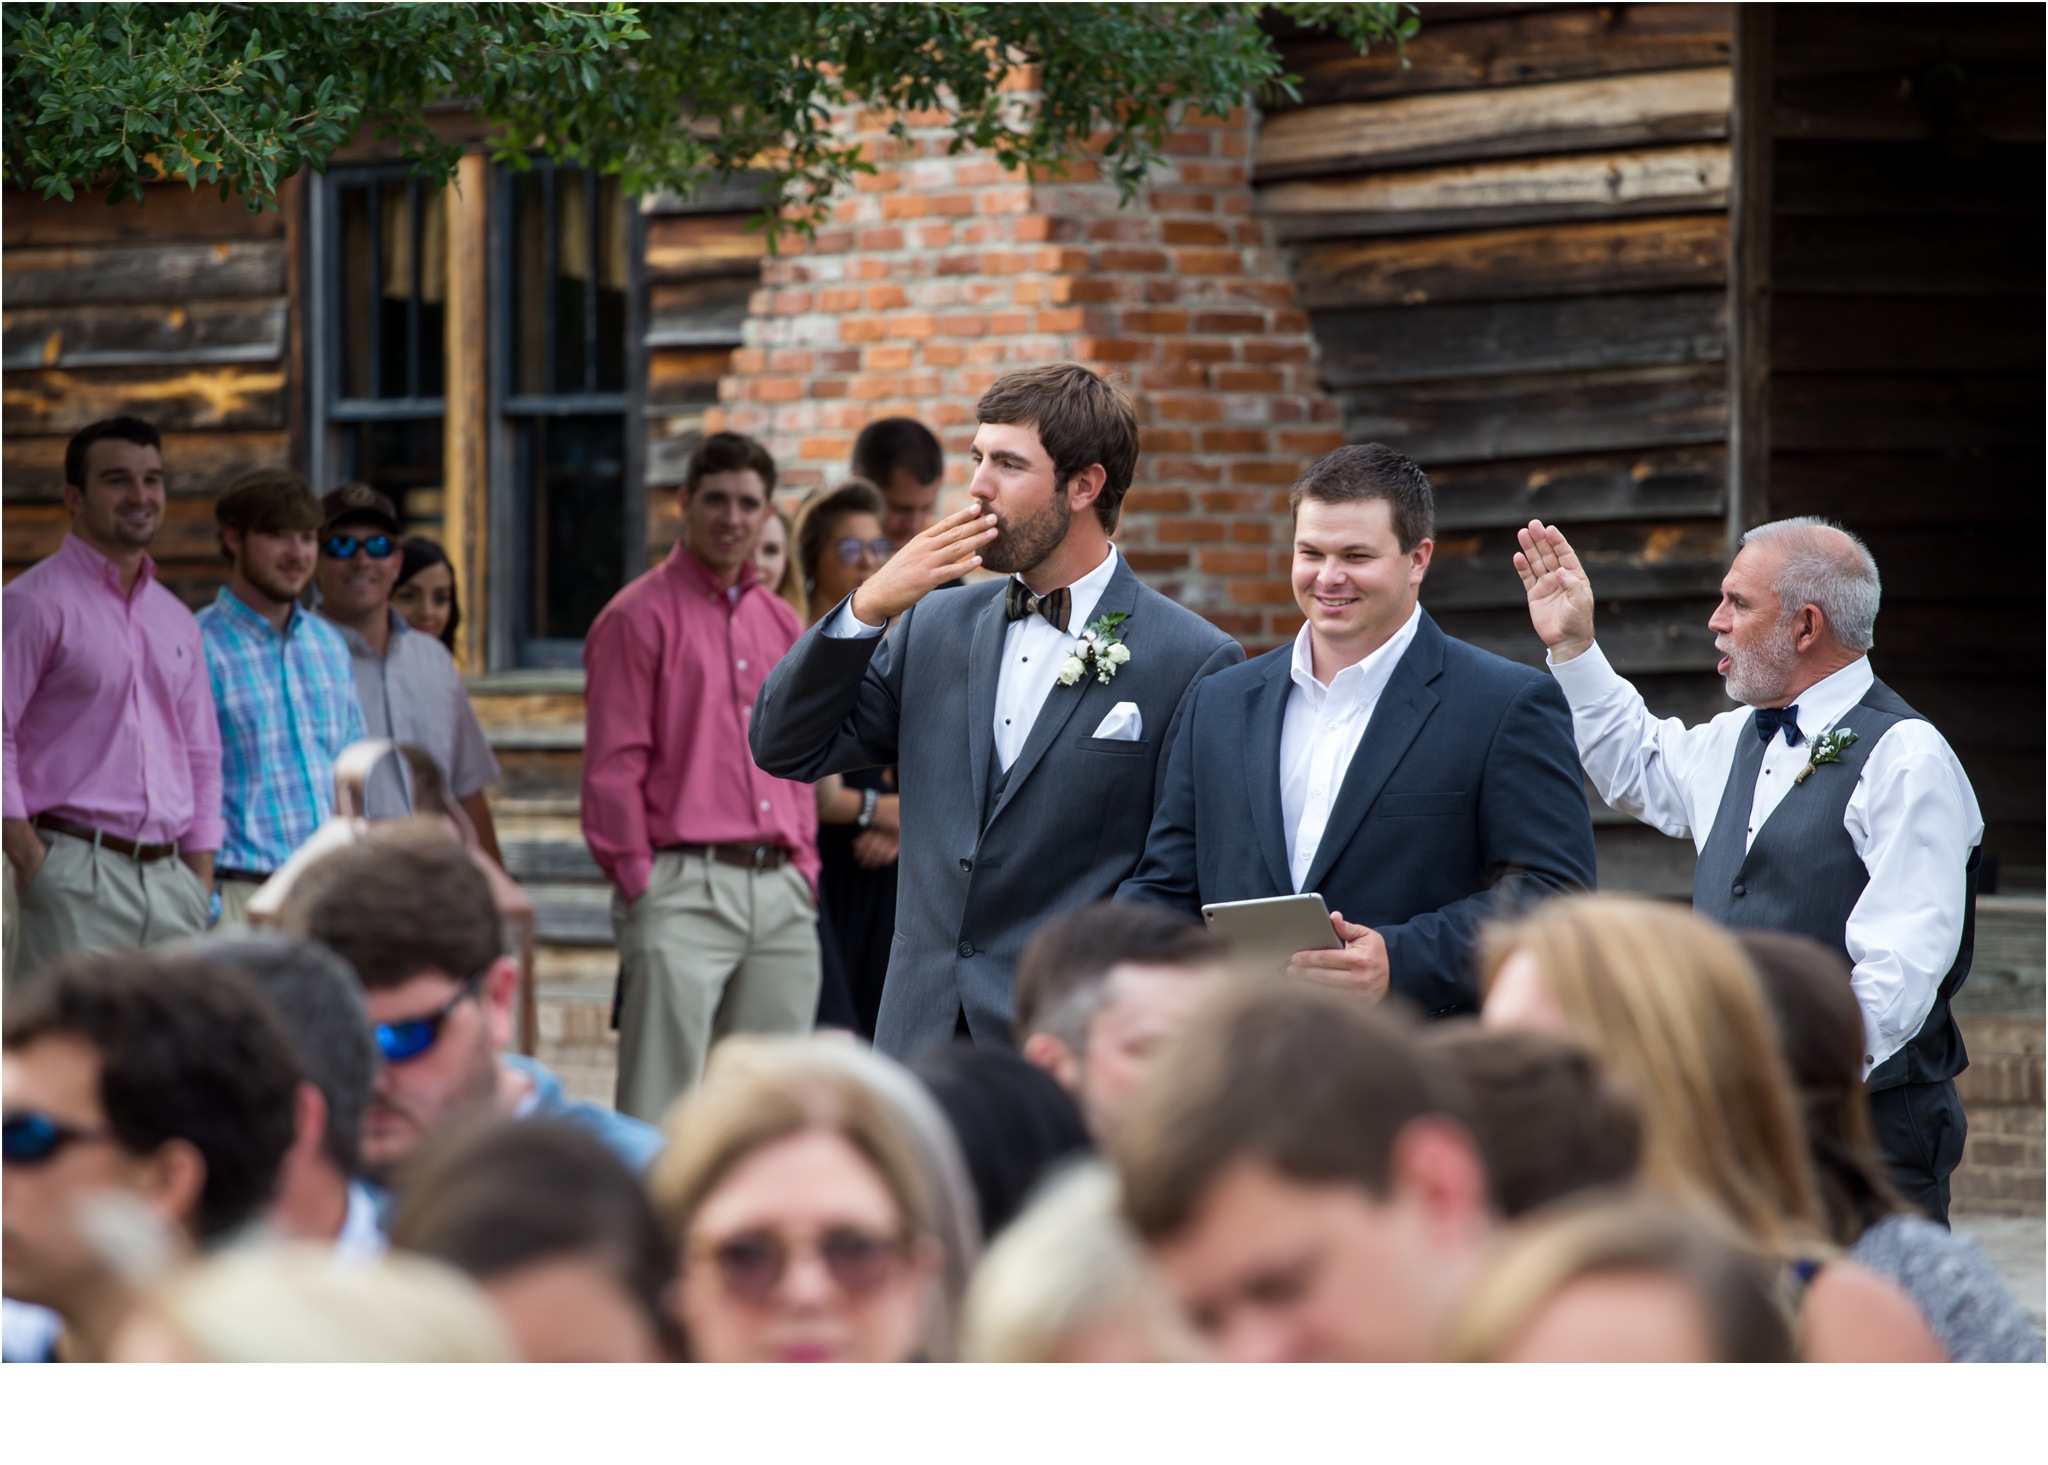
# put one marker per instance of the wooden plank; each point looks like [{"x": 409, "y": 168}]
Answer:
[
  {"x": 1891, "y": 105},
  {"x": 703, "y": 311},
  {"x": 668, "y": 458},
  {"x": 1664, "y": 483},
  {"x": 1750, "y": 273},
  {"x": 1861, "y": 333},
  {"x": 1505, "y": 122},
  {"x": 1524, "y": 417},
  {"x": 35, "y": 530},
  {"x": 1818, "y": 39},
  {"x": 1888, "y": 178},
  {"x": 682, "y": 246},
  {"x": 1860, "y": 413},
  {"x": 1649, "y": 638},
  {"x": 80, "y": 274},
  {"x": 212, "y": 396},
  {"x": 204, "y": 333},
  {"x": 1429, "y": 342},
  {"x": 685, "y": 376},
  {"x": 1830, "y": 256},
  {"x": 197, "y": 464},
  {"x": 168, "y": 211},
  {"x": 1688, "y": 179},
  {"x": 1689, "y": 251},
  {"x": 743, "y": 193},
  {"x": 1683, "y": 557},
  {"x": 1959, "y": 562},
  {"x": 1957, "y": 638},
  {"x": 465, "y": 447},
  {"x": 1984, "y": 714},
  {"x": 1554, "y": 44},
  {"x": 1863, "y": 489}
]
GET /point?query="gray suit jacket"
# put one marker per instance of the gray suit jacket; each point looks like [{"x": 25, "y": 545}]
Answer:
[{"x": 981, "y": 868}]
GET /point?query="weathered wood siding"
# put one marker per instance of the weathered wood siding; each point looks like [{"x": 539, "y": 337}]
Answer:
[
  {"x": 1514, "y": 249},
  {"x": 177, "y": 311},
  {"x": 1906, "y": 350}
]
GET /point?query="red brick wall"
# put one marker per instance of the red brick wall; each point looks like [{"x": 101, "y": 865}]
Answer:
[{"x": 938, "y": 273}]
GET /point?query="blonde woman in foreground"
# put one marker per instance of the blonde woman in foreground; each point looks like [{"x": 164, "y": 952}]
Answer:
[{"x": 1673, "y": 1010}]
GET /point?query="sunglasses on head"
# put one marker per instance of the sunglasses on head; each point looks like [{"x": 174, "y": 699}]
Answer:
[
  {"x": 751, "y": 1264},
  {"x": 849, "y": 549},
  {"x": 34, "y": 1138},
  {"x": 344, "y": 546},
  {"x": 399, "y": 1041}
]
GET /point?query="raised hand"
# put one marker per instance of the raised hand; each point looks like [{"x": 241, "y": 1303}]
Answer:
[
  {"x": 945, "y": 550},
  {"x": 1560, "y": 596}
]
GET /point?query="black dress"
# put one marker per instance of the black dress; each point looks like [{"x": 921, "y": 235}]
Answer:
[{"x": 856, "y": 914}]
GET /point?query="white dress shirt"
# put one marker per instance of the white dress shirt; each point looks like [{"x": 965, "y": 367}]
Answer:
[
  {"x": 1033, "y": 651},
  {"x": 1912, "y": 818},
  {"x": 1321, "y": 732}
]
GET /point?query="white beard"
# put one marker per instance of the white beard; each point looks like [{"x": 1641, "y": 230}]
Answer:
[{"x": 1759, "y": 676}]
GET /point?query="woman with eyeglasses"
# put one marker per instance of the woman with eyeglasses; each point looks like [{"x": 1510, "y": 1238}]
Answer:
[
  {"x": 818, "y": 1208},
  {"x": 839, "y": 543}
]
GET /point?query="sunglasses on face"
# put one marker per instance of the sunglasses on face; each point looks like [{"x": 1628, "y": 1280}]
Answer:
[
  {"x": 849, "y": 550},
  {"x": 401, "y": 1041},
  {"x": 752, "y": 1264},
  {"x": 344, "y": 546},
  {"x": 34, "y": 1138}
]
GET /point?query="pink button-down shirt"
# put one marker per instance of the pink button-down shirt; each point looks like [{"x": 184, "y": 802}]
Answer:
[
  {"x": 673, "y": 665},
  {"x": 109, "y": 714}
]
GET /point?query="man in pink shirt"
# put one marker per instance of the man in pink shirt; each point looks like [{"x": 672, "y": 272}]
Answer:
[
  {"x": 715, "y": 863},
  {"x": 112, "y": 769}
]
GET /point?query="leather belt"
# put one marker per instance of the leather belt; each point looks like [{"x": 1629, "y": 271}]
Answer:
[
  {"x": 247, "y": 877},
  {"x": 141, "y": 853},
  {"x": 745, "y": 856}
]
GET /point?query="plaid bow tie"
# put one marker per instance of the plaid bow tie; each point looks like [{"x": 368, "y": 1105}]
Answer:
[
  {"x": 1054, "y": 605},
  {"x": 1770, "y": 719}
]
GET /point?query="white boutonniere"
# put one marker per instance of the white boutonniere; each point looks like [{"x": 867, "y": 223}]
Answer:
[
  {"x": 1827, "y": 748},
  {"x": 1100, "y": 651}
]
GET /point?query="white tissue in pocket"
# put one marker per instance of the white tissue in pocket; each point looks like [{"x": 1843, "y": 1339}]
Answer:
[{"x": 1124, "y": 724}]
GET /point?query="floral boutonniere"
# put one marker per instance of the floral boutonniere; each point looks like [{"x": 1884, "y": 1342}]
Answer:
[
  {"x": 1101, "y": 651},
  {"x": 1827, "y": 748}
]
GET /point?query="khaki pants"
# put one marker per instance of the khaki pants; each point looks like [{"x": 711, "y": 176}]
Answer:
[
  {"x": 708, "y": 950},
  {"x": 85, "y": 898},
  {"x": 235, "y": 896}
]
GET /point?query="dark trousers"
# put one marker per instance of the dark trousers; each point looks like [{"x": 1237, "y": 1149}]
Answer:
[{"x": 1920, "y": 1128}]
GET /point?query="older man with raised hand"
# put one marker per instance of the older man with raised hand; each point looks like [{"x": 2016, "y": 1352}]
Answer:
[
  {"x": 112, "y": 803},
  {"x": 282, "y": 683},
  {"x": 407, "y": 683},
  {"x": 1857, "y": 826}
]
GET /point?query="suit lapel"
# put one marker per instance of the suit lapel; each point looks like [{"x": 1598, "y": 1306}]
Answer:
[
  {"x": 1268, "y": 716},
  {"x": 984, "y": 664},
  {"x": 1403, "y": 708},
  {"x": 1120, "y": 595}
]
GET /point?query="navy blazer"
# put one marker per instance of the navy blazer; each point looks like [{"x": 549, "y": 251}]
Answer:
[{"x": 1464, "y": 794}]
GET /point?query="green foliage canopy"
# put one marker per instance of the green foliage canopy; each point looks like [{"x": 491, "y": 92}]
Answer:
[{"x": 666, "y": 96}]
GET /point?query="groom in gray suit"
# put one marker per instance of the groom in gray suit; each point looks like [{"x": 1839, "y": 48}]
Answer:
[{"x": 1028, "y": 716}]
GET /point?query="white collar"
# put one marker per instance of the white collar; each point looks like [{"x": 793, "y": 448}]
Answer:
[
  {"x": 1084, "y": 593},
  {"x": 1371, "y": 674},
  {"x": 1828, "y": 700}
]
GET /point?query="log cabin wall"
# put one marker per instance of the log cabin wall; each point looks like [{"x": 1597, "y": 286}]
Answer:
[
  {"x": 1514, "y": 250},
  {"x": 1906, "y": 351},
  {"x": 177, "y": 311}
]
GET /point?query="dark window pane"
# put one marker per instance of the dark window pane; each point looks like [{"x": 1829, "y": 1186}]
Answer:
[
  {"x": 576, "y": 522},
  {"x": 573, "y": 244},
  {"x": 433, "y": 339},
  {"x": 529, "y": 283},
  {"x": 403, "y": 461},
  {"x": 394, "y": 294},
  {"x": 611, "y": 287},
  {"x": 354, "y": 295}
]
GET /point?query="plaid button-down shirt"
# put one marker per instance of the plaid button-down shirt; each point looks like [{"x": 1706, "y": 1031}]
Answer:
[{"x": 287, "y": 706}]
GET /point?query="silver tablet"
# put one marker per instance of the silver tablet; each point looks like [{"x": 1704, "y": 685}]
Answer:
[{"x": 1288, "y": 923}]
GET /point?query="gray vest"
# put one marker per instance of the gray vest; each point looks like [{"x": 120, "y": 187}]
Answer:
[{"x": 1802, "y": 874}]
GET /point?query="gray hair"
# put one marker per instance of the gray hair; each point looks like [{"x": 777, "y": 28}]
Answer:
[
  {"x": 1835, "y": 575},
  {"x": 316, "y": 995}
]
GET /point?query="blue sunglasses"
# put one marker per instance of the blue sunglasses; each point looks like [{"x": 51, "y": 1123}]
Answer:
[
  {"x": 402, "y": 1041},
  {"x": 35, "y": 1138},
  {"x": 344, "y": 546}
]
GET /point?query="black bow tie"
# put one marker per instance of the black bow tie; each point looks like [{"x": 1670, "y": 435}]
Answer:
[
  {"x": 1770, "y": 719},
  {"x": 1054, "y": 605}
]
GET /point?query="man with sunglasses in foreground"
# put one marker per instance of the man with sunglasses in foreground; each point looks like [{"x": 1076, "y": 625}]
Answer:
[
  {"x": 408, "y": 908},
  {"x": 282, "y": 684},
  {"x": 148, "y": 1098},
  {"x": 407, "y": 683}
]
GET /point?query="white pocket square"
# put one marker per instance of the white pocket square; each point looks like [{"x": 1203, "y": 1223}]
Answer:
[{"x": 1125, "y": 724}]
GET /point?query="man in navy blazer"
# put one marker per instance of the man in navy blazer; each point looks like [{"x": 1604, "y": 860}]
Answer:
[{"x": 1418, "y": 783}]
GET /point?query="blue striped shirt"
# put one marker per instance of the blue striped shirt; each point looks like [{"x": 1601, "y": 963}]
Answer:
[{"x": 287, "y": 706}]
